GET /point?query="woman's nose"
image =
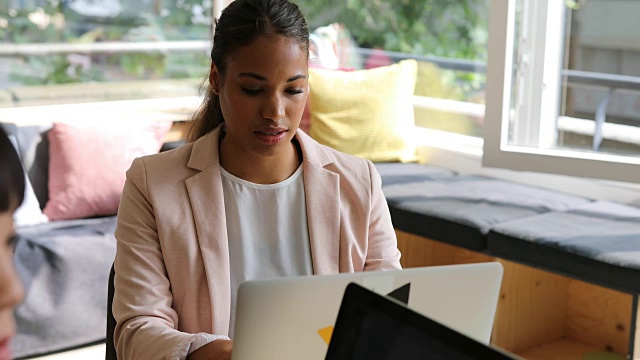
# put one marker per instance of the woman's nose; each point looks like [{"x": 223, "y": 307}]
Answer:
[{"x": 274, "y": 108}]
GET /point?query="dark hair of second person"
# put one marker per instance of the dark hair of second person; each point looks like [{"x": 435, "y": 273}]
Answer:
[
  {"x": 12, "y": 180},
  {"x": 12, "y": 185}
]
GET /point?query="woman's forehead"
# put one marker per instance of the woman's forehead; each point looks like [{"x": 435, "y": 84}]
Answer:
[{"x": 270, "y": 55}]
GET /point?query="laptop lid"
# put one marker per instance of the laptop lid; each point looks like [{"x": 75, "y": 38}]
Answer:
[
  {"x": 375, "y": 327},
  {"x": 293, "y": 317}
]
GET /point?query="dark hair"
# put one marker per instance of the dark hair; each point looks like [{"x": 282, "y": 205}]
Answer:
[
  {"x": 12, "y": 180},
  {"x": 240, "y": 24}
]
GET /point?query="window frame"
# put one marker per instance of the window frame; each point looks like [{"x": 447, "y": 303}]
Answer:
[{"x": 497, "y": 152}]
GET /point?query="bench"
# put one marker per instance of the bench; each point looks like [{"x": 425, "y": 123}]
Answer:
[{"x": 572, "y": 264}]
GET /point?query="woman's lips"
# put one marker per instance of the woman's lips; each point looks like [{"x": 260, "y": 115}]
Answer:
[
  {"x": 271, "y": 136},
  {"x": 5, "y": 348}
]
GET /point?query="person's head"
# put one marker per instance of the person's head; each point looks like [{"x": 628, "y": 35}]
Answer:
[
  {"x": 248, "y": 35},
  {"x": 12, "y": 184}
]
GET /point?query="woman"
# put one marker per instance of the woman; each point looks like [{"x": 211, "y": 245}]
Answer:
[
  {"x": 250, "y": 197},
  {"x": 12, "y": 185}
]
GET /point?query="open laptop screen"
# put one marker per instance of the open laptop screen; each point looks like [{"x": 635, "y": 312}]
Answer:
[{"x": 373, "y": 327}]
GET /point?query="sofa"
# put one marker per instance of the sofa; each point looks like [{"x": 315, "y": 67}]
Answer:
[{"x": 63, "y": 259}]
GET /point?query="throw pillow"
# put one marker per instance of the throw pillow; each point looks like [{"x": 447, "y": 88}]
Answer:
[
  {"x": 33, "y": 144},
  {"x": 29, "y": 212},
  {"x": 305, "y": 122},
  {"x": 367, "y": 113},
  {"x": 88, "y": 162}
]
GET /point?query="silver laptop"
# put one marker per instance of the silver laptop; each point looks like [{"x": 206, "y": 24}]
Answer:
[{"x": 293, "y": 318}]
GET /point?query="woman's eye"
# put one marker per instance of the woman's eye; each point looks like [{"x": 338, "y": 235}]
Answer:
[
  {"x": 251, "y": 92},
  {"x": 295, "y": 91}
]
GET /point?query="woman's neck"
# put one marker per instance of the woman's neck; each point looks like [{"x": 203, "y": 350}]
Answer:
[{"x": 260, "y": 169}]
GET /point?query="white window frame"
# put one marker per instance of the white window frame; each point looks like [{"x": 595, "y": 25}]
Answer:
[
  {"x": 540, "y": 100},
  {"x": 218, "y": 6}
]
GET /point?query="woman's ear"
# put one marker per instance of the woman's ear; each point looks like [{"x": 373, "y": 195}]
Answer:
[{"x": 214, "y": 79}]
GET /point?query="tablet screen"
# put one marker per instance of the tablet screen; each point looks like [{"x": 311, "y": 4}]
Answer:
[{"x": 374, "y": 327}]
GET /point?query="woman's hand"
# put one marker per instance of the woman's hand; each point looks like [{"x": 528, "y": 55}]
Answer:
[{"x": 215, "y": 350}]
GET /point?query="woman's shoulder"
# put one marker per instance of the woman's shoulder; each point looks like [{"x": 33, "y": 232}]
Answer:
[
  {"x": 350, "y": 168},
  {"x": 323, "y": 154},
  {"x": 170, "y": 158},
  {"x": 166, "y": 164},
  {"x": 345, "y": 160}
]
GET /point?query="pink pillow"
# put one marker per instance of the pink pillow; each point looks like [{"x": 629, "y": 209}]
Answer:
[{"x": 88, "y": 161}]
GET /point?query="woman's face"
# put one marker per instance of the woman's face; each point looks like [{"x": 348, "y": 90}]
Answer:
[
  {"x": 263, "y": 93},
  {"x": 11, "y": 291}
]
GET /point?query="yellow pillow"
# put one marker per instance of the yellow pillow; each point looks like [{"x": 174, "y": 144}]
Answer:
[{"x": 367, "y": 113}]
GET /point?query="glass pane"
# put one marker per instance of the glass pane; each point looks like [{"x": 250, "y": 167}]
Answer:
[
  {"x": 447, "y": 37},
  {"x": 602, "y": 46},
  {"x": 94, "y": 50},
  {"x": 598, "y": 77}
]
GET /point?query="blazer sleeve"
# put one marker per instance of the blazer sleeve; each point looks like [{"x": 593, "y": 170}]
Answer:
[
  {"x": 146, "y": 322},
  {"x": 382, "y": 245}
]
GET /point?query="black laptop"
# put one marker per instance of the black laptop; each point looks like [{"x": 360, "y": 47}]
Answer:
[{"x": 375, "y": 327}]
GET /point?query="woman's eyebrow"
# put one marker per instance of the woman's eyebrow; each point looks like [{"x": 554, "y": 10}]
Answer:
[
  {"x": 252, "y": 75},
  {"x": 262, "y": 78},
  {"x": 292, "y": 79}
]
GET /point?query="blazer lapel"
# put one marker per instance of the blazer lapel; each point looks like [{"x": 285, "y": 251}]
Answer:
[
  {"x": 322, "y": 193},
  {"x": 207, "y": 203}
]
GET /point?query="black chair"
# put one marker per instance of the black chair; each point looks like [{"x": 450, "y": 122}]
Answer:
[{"x": 110, "y": 353}]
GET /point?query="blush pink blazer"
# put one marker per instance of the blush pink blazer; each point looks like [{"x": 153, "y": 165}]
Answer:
[{"x": 172, "y": 263}]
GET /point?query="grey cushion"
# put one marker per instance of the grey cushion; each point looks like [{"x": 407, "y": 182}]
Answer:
[
  {"x": 33, "y": 145},
  {"x": 394, "y": 173},
  {"x": 597, "y": 242},
  {"x": 64, "y": 266},
  {"x": 461, "y": 210},
  {"x": 38, "y": 169}
]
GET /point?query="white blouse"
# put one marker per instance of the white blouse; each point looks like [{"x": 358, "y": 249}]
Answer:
[{"x": 267, "y": 231}]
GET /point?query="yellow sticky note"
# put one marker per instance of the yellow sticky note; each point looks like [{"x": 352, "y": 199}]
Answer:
[{"x": 325, "y": 334}]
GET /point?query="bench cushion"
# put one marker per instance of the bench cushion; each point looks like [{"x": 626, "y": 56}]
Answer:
[
  {"x": 64, "y": 267},
  {"x": 597, "y": 242},
  {"x": 394, "y": 173},
  {"x": 461, "y": 210}
]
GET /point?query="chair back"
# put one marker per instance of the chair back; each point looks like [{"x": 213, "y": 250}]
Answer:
[{"x": 110, "y": 353}]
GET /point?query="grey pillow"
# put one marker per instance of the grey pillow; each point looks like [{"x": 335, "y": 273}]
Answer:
[
  {"x": 33, "y": 148},
  {"x": 29, "y": 212}
]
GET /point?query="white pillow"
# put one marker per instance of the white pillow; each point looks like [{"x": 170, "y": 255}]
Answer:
[{"x": 29, "y": 212}]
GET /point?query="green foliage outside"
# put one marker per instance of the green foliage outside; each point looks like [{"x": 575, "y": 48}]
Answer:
[
  {"x": 156, "y": 20},
  {"x": 443, "y": 28}
]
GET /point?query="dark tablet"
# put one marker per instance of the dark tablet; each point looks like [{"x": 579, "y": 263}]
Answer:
[{"x": 375, "y": 327}]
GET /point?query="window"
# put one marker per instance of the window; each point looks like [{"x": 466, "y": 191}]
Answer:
[
  {"x": 563, "y": 92},
  {"x": 56, "y": 52},
  {"x": 561, "y": 87},
  {"x": 448, "y": 38}
]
